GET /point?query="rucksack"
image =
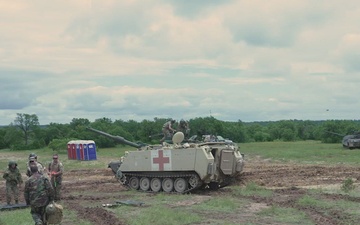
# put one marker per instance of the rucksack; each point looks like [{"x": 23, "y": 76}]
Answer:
[{"x": 54, "y": 213}]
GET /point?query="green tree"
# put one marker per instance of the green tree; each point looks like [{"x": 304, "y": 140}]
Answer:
[
  {"x": 288, "y": 134},
  {"x": 288, "y": 130},
  {"x": 147, "y": 128},
  {"x": 13, "y": 137},
  {"x": 59, "y": 144},
  {"x": 274, "y": 131},
  {"x": 55, "y": 131},
  {"x": 207, "y": 125},
  {"x": 79, "y": 122},
  {"x": 78, "y": 128},
  {"x": 235, "y": 131},
  {"x": 305, "y": 130},
  {"x": 260, "y": 136},
  {"x": 3, "y": 143},
  {"x": 131, "y": 126},
  {"x": 331, "y": 131},
  {"x": 252, "y": 130},
  {"x": 27, "y": 124}
]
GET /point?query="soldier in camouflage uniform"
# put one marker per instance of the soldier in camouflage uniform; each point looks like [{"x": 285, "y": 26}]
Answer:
[
  {"x": 55, "y": 171},
  {"x": 167, "y": 130},
  {"x": 184, "y": 127},
  {"x": 38, "y": 193},
  {"x": 13, "y": 179},
  {"x": 33, "y": 160}
]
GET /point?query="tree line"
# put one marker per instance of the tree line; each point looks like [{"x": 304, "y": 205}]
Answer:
[{"x": 27, "y": 133}]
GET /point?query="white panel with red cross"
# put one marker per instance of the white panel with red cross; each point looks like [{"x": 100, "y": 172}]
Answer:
[{"x": 160, "y": 160}]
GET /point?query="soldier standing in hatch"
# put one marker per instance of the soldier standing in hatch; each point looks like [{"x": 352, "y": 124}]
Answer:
[
  {"x": 13, "y": 179},
  {"x": 167, "y": 130},
  {"x": 184, "y": 127},
  {"x": 55, "y": 171},
  {"x": 38, "y": 193}
]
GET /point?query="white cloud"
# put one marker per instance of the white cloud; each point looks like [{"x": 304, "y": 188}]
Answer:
[{"x": 238, "y": 60}]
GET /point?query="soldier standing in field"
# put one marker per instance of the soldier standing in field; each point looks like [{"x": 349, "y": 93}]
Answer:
[
  {"x": 167, "y": 129},
  {"x": 55, "y": 171},
  {"x": 38, "y": 193},
  {"x": 13, "y": 180},
  {"x": 33, "y": 160}
]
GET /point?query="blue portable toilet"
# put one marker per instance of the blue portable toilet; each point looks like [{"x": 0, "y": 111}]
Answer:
[
  {"x": 78, "y": 150},
  {"x": 89, "y": 150}
]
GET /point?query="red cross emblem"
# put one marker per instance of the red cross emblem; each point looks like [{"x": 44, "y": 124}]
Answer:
[{"x": 161, "y": 160}]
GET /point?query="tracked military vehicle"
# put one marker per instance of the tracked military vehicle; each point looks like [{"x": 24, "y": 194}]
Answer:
[
  {"x": 350, "y": 141},
  {"x": 178, "y": 167}
]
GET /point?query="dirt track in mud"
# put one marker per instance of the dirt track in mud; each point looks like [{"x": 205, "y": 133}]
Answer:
[{"x": 289, "y": 181}]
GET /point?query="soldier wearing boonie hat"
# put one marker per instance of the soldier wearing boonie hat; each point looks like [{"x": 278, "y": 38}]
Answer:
[{"x": 33, "y": 160}]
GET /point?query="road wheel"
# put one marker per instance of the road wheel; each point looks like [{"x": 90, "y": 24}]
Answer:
[
  {"x": 167, "y": 185},
  {"x": 134, "y": 183},
  {"x": 155, "y": 184},
  {"x": 180, "y": 185},
  {"x": 144, "y": 183}
]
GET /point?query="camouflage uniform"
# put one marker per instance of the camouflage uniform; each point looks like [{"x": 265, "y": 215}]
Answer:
[
  {"x": 184, "y": 127},
  {"x": 167, "y": 130},
  {"x": 38, "y": 193},
  {"x": 13, "y": 179},
  {"x": 33, "y": 160},
  {"x": 56, "y": 170}
]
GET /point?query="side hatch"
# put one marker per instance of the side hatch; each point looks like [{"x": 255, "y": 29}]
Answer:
[{"x": 227, "y": 162}]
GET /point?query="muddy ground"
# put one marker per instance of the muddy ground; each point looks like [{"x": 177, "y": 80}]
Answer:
[{"x": 289, "y": 181}]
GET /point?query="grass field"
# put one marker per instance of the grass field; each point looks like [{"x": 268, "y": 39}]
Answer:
[
  {"x": 248, "y": 202},
  {"x": 307, "y": 152}
]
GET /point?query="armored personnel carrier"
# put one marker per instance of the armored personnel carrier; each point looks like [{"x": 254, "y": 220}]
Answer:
[
  {"x": 350, "y": 141},
  {"x": 178, "y": 167}
]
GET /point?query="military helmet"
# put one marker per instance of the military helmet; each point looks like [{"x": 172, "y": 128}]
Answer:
[
  {"x": 11, "y": 162},
  {"x": 173, "y": 121},
  {"x": 31, "y": 159},
  {"x": 33, "y": 155}
]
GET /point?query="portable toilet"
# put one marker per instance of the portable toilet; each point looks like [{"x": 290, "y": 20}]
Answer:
[
  {"x": 77, "y": 144},
  {"x": 71, "y": 148},
  {"x": 89, "y": 150},
  {"x": 82, "y": 150}
]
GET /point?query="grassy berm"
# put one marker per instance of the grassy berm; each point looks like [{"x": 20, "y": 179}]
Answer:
[{"x": 283, "y": 183}]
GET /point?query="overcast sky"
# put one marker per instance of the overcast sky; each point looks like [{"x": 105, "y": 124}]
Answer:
[{"x": 248, "y": 60}]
